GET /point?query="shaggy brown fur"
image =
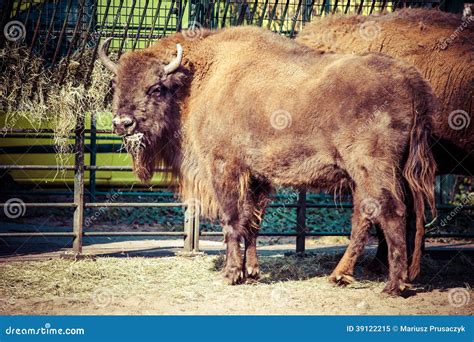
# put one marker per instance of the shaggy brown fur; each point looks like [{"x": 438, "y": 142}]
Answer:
[
  {"x": 439, "y": 44},
  {"x": 245, "y": 111}
]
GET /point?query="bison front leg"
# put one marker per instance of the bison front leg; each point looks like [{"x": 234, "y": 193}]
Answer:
[{"x": 226, "y": 184}]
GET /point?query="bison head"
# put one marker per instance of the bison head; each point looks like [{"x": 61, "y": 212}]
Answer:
[{"x": 144, "y": 104}]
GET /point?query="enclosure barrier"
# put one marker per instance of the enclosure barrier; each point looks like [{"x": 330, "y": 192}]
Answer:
[
  {"x": 191, "y": 222},
  {"x": 191, "y": 232},
  {"x": 62, "y": 29}
]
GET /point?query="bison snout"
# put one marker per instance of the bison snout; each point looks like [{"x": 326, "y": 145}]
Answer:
[{"x": 124, "y": 125}]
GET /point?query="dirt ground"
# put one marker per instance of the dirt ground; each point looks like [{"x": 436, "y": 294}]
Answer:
[{"x": 176, "y": 285}]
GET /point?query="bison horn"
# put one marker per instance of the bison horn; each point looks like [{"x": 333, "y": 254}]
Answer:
[
  {"x": 104, "y": 47},
  {"x": 175, "y": 63}
]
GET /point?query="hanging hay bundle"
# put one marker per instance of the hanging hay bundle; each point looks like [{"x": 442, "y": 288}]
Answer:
[{"x": 53, "y": 96}]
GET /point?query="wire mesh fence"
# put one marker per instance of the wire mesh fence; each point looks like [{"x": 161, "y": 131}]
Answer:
[{"x": 58, "y": 29}]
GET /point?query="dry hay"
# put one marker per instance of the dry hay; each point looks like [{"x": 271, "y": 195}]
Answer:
[
  {"x": 439, "y": 44},
  {"x": 51, "y": 96},
  {"x": 179, "y": 285},
  {"x": 133, "y": 144}
]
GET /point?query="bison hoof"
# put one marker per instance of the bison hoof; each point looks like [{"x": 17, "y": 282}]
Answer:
[
  {"x": 253, "y": 272},
  {"x": 233, "y": 275},
  {"x": 397, "y": 289},
  {"x": 391, "y": 290},
  {"x": 341, "y": 279}
]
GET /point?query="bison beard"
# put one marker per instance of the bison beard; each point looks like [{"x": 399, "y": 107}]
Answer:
[
  {"x": 212, "y": 119},
  {"x": 143, "y": 150}
]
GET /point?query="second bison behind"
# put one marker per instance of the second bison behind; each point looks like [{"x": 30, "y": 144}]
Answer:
[{"x": 241, "y": 110}]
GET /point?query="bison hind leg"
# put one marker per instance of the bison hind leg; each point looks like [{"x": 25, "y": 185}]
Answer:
[
  {"x": 394, "y": 226},
  {"x": 252, "y": 268},
  {"x": 392, "y": 220}
]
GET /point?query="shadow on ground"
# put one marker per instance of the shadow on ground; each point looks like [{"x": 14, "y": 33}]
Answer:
[{"x": 436, "y": 273}]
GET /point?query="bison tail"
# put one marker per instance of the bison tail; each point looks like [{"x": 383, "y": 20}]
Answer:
[{"x": 419, "y": 172}]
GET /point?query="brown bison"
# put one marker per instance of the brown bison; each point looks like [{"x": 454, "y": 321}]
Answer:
[
  {"x": 241, "y": 110},
  {"x": 441, "y": 46}
]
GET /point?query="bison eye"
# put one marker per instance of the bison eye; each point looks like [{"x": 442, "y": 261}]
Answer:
[{"x": 156, "y": 89}]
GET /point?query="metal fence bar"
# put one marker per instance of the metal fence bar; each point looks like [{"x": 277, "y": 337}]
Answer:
[
  {"x": 36, "y": 234},
  {"x": 285, "y": 234},
  {"x": 301, "y": 222},
  {"x": 49, "y": 130},
  {"x": 119, "y": 168},
  {"x": 318, "y": 234},
  {"x": 135, "y": 234},
  {"x": 126, "y": 29},
  {"x": 36, "y": 30},
  {"x": 93, "y": 155},
  {"x": 96, "y": 48},
  {"x": 134, "y": 205},
  {"x": 177, "y": 204},
  {"x": 50, "y": 136},
  {"x": 36, "y": 167},
  {"x": 140, "y": 24},
  {"x": 272, "y": 15},
  {"x": 72, "y": 234},
  {"x": 168, "y": 18},
  {"x": 86, "y": 37},
  {"x": 295, "y": 19},
  {"x": 45, "y": 205},
  {"x": 155, "y": 17},
  {"x": 61, "y": 34},
  {"x": 70, "y": 167}
]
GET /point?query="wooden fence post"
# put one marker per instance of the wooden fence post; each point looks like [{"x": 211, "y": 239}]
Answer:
[
  {"x": 78, "y": 220},
  {"x": 196, "y": 228},
  {"x": 301, "y": 222},
  {"x": 188, "y": 229}
]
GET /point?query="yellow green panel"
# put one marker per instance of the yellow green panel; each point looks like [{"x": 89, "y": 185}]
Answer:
[{"x": 60, "y": 177}]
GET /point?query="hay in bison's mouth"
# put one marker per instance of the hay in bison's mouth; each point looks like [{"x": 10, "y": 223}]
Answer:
[{"x": 133, "y": 143}]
